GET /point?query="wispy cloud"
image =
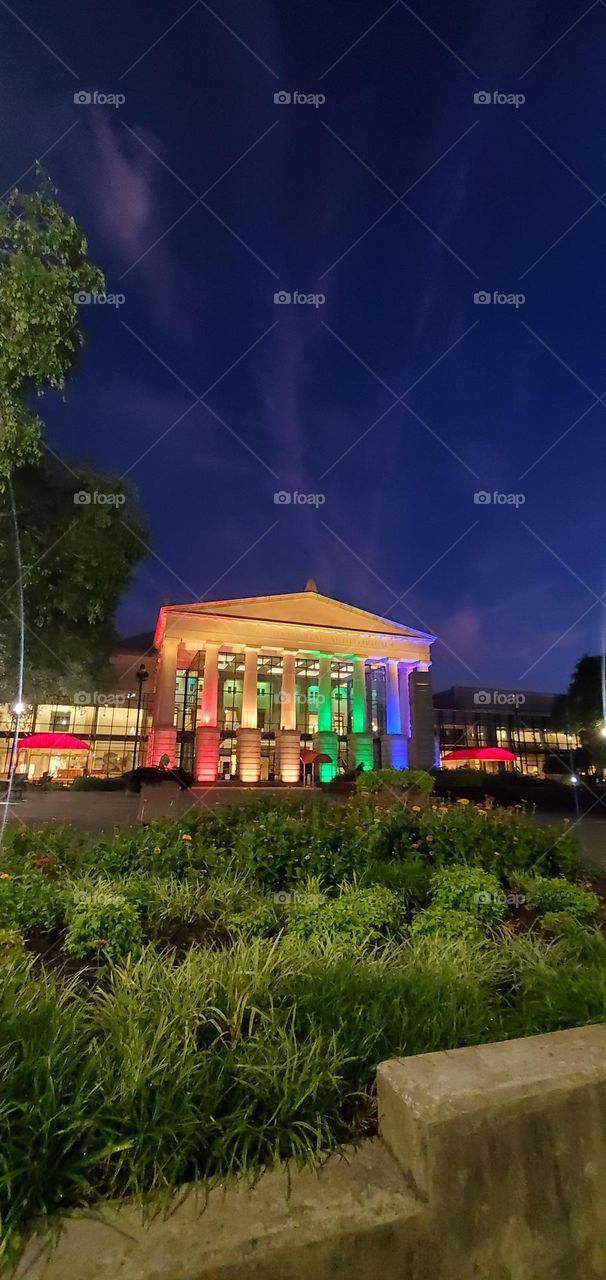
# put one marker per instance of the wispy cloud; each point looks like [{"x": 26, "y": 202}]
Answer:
[{"x": 123, "y": 177}]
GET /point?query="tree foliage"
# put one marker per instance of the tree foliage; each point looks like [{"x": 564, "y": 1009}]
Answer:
[
  {"x": 43, "y": 266},
  {"x": 581, "y": 707},
  {"x": 77, "y": 560}
]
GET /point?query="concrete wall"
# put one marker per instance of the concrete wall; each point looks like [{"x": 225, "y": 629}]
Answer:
[
  {"x": 491, "y": 1166},
  {"x": 422, "y": 752}
]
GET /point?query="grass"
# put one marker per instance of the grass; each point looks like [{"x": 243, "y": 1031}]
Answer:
[{"x": 215, "y": 1031}]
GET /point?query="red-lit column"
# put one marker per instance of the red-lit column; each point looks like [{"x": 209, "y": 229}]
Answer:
[
  {"x": 163, "y": 737},
  {"x": 208, "y": 732}
]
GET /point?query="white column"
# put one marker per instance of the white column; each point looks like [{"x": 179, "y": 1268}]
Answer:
[
  {"x": 249, "y": 691},
  {"x": 288, "y": 699}
]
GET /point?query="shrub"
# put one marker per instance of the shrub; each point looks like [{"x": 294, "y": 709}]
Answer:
[
  {"x": 104, "y": 924},
  {"x": 446, "y": 923},
  {"x": 258, "y": 919},
  {"x": 357, "y": 915},
  {"x": 90, "y": 783},
  {"x": 557, "y": 895},
  {"x": 397, "y": 780},
  {"x": 469, "y": 889},
  {"x": 409, "y": 879},
  {"x": 11, "y": 941},
  {"x": 31, "y": 903}
]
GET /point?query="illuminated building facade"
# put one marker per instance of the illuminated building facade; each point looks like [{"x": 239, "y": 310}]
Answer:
[
  {"x": 243, "y": 686},
  {"x": 522, "y": 722}
]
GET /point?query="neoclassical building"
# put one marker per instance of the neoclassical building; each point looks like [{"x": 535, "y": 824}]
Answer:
[{"x": 242, "y": 687}]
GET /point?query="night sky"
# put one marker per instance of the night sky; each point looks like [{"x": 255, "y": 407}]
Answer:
[{"x": 398, "y": 397}]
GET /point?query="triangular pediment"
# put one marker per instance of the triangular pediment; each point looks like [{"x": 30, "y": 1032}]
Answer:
[{"x": 308, "y": 608}]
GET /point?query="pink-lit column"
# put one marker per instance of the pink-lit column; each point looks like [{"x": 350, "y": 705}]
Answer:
[
  {"x": 208, "y": 732},
  {"x": 288, "y": 740},
  {"x": 163, "y": 737},
  {"x": 248, "y": 735}
]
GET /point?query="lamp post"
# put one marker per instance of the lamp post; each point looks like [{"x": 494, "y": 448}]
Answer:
[
  {"x": 17, "y": 709},
  {"x": 142, "y": 676}
]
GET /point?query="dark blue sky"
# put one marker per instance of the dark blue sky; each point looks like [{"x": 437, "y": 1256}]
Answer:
[{"x": 464, "y": 196}]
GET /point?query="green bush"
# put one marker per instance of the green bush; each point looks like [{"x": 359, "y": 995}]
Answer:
[
  {"x": 357, "y": 915},
  {"x": 409, "y": 879},
  {"x": 11, "y": 941},
  {"x": 397, "y": 780},
  {"x": 91, "y": 783},
  {"x": 469, "y": 889},
  {"x": 445, "y": 922},
  {"x": 103, "y": 924},
  {"x": 31, "y": 903},
  {"x": 248, "y": 1032},
  {"x": 557, "y": 895}
]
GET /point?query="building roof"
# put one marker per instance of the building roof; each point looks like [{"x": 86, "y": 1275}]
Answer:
[
  {"x": 308, "y": 607},
  {"x": 486, "y": 699}
]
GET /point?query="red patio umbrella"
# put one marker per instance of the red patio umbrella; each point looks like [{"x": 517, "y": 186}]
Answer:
[
  {"x": 480, "y": 753},
  {"x": 52, "y": 742}
]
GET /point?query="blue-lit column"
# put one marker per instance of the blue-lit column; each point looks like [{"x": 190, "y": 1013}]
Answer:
[
  {"x": 393, "y": 720},
  {"x": 394, "y": 744}
]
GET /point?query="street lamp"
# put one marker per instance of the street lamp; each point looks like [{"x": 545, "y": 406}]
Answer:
[
  {"x": 18, "y": 708},
  {"x": 142, "y": 676}
]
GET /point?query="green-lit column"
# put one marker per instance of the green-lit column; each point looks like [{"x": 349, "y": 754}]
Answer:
[
  {"x": 358, "y": 711},
  {"x": 325, "y": 695},
  {"x": 325, "y": 741}
]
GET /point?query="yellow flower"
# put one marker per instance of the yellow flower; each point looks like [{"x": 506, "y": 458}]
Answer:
[
  {"x": 462, "y": 800},
  {"x": 4, "y": 875},
  {"x": 416, "y": 808},
  {"x": 100, "y": 942},
  {"x": 185, "y": 837},
  {"x": 157, "y": 849}
]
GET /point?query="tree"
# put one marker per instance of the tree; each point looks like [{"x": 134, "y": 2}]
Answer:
[
  {"x": 581, "y": 707},
  {"x": 78, "y": 551},
  {"x": 43, "y": 267}
]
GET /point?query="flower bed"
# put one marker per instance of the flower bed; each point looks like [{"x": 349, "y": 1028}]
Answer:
[{"x": 202, "y": 999}]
